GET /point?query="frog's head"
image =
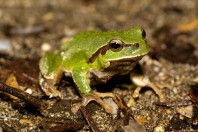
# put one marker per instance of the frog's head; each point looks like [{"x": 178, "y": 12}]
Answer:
[{"x": 127, "y": 46}]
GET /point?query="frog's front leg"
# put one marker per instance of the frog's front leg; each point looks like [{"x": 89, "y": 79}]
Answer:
[
  {"x": 51, "y": 73},
  {"x": 143, "y": 81},
  {"x": 87, "y": 94},
  {"x": 48, "y": 86}
]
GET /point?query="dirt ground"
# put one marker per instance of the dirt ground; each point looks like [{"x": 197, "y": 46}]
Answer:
[{"x": 30, "y": 28}]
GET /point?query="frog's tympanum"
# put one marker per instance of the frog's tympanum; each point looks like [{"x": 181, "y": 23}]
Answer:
[{"x": 92, "y": 56}]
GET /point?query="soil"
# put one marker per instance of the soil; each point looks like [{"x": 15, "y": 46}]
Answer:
[{"x": 30, "y": 28}]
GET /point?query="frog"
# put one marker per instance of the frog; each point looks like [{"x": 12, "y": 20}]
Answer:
[{"x": 92, "y": 56}]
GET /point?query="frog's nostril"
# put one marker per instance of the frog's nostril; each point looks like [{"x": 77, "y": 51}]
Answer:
[{"x": 137, "y": 45}]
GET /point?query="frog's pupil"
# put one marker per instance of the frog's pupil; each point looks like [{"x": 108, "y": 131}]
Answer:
[{"x": 115, "y": 45}]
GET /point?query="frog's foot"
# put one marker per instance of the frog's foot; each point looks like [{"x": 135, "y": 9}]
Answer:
[
  {"x": 142, "y": 81},
  {"x": 52, "y": 92},
  {"x": 94, "y": 96},
  {"x": 48, "y": 87}
]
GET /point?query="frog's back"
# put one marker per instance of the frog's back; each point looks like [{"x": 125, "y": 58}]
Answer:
[{"x": 87, "y": 41}]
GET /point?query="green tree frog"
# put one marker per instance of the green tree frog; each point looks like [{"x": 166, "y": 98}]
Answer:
[{"x": 92, "y": 56}]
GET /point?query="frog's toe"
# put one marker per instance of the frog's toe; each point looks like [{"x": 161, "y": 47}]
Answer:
[
  {"x": 157, "y": 91},
  {"x": 103, "y": 95},
  {"x": 52, "y": 92}
]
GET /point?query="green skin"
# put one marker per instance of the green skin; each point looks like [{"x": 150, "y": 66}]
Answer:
[{"x": 89, "y": 51}]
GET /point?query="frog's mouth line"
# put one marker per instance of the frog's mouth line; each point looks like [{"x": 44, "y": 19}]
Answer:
[{"x": 132, "y": 59}]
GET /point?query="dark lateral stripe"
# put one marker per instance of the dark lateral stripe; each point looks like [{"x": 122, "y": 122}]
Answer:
[{"x": 101, "y": 51}]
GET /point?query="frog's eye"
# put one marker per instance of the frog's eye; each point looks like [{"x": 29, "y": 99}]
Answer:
[
  {"x": 143, "y": 33},
  {"x": 116, "y": 45}
]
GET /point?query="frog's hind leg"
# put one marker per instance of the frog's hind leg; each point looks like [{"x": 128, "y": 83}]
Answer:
[{"x": 142, "y": 81}]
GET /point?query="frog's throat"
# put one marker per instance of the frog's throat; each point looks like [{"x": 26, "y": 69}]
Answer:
[
  {"x": 115, "y": 67},
  {"x": 123, "y": 65},
  {"x": 103, "y": 51}
]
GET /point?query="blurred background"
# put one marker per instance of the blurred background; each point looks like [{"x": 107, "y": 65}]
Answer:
[{"x": 27, "y": 24}]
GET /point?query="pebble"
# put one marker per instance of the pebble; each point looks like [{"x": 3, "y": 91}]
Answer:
[
  {"x": 5, "y": 46},
  {"x": 186, "y": 111},
  {"x": 159, "y": 129},
  {"x": 45, "y": 47}
]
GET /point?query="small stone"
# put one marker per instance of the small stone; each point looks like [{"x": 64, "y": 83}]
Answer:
[
  {"x": 45, "y": 47},
  {"x": 5, "y": 46},
  {"x": 29, "y": 91},
  {"x": 159, "y": 129},
  {"x": 186, "y": 111}
]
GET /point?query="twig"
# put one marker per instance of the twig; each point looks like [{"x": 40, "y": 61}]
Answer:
[
  {"x": 61, "y": 124},
  {"x": 89, "y": 120},
  {"x": 175, "y": 103},
  {"x": 29, "y": 99}
]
